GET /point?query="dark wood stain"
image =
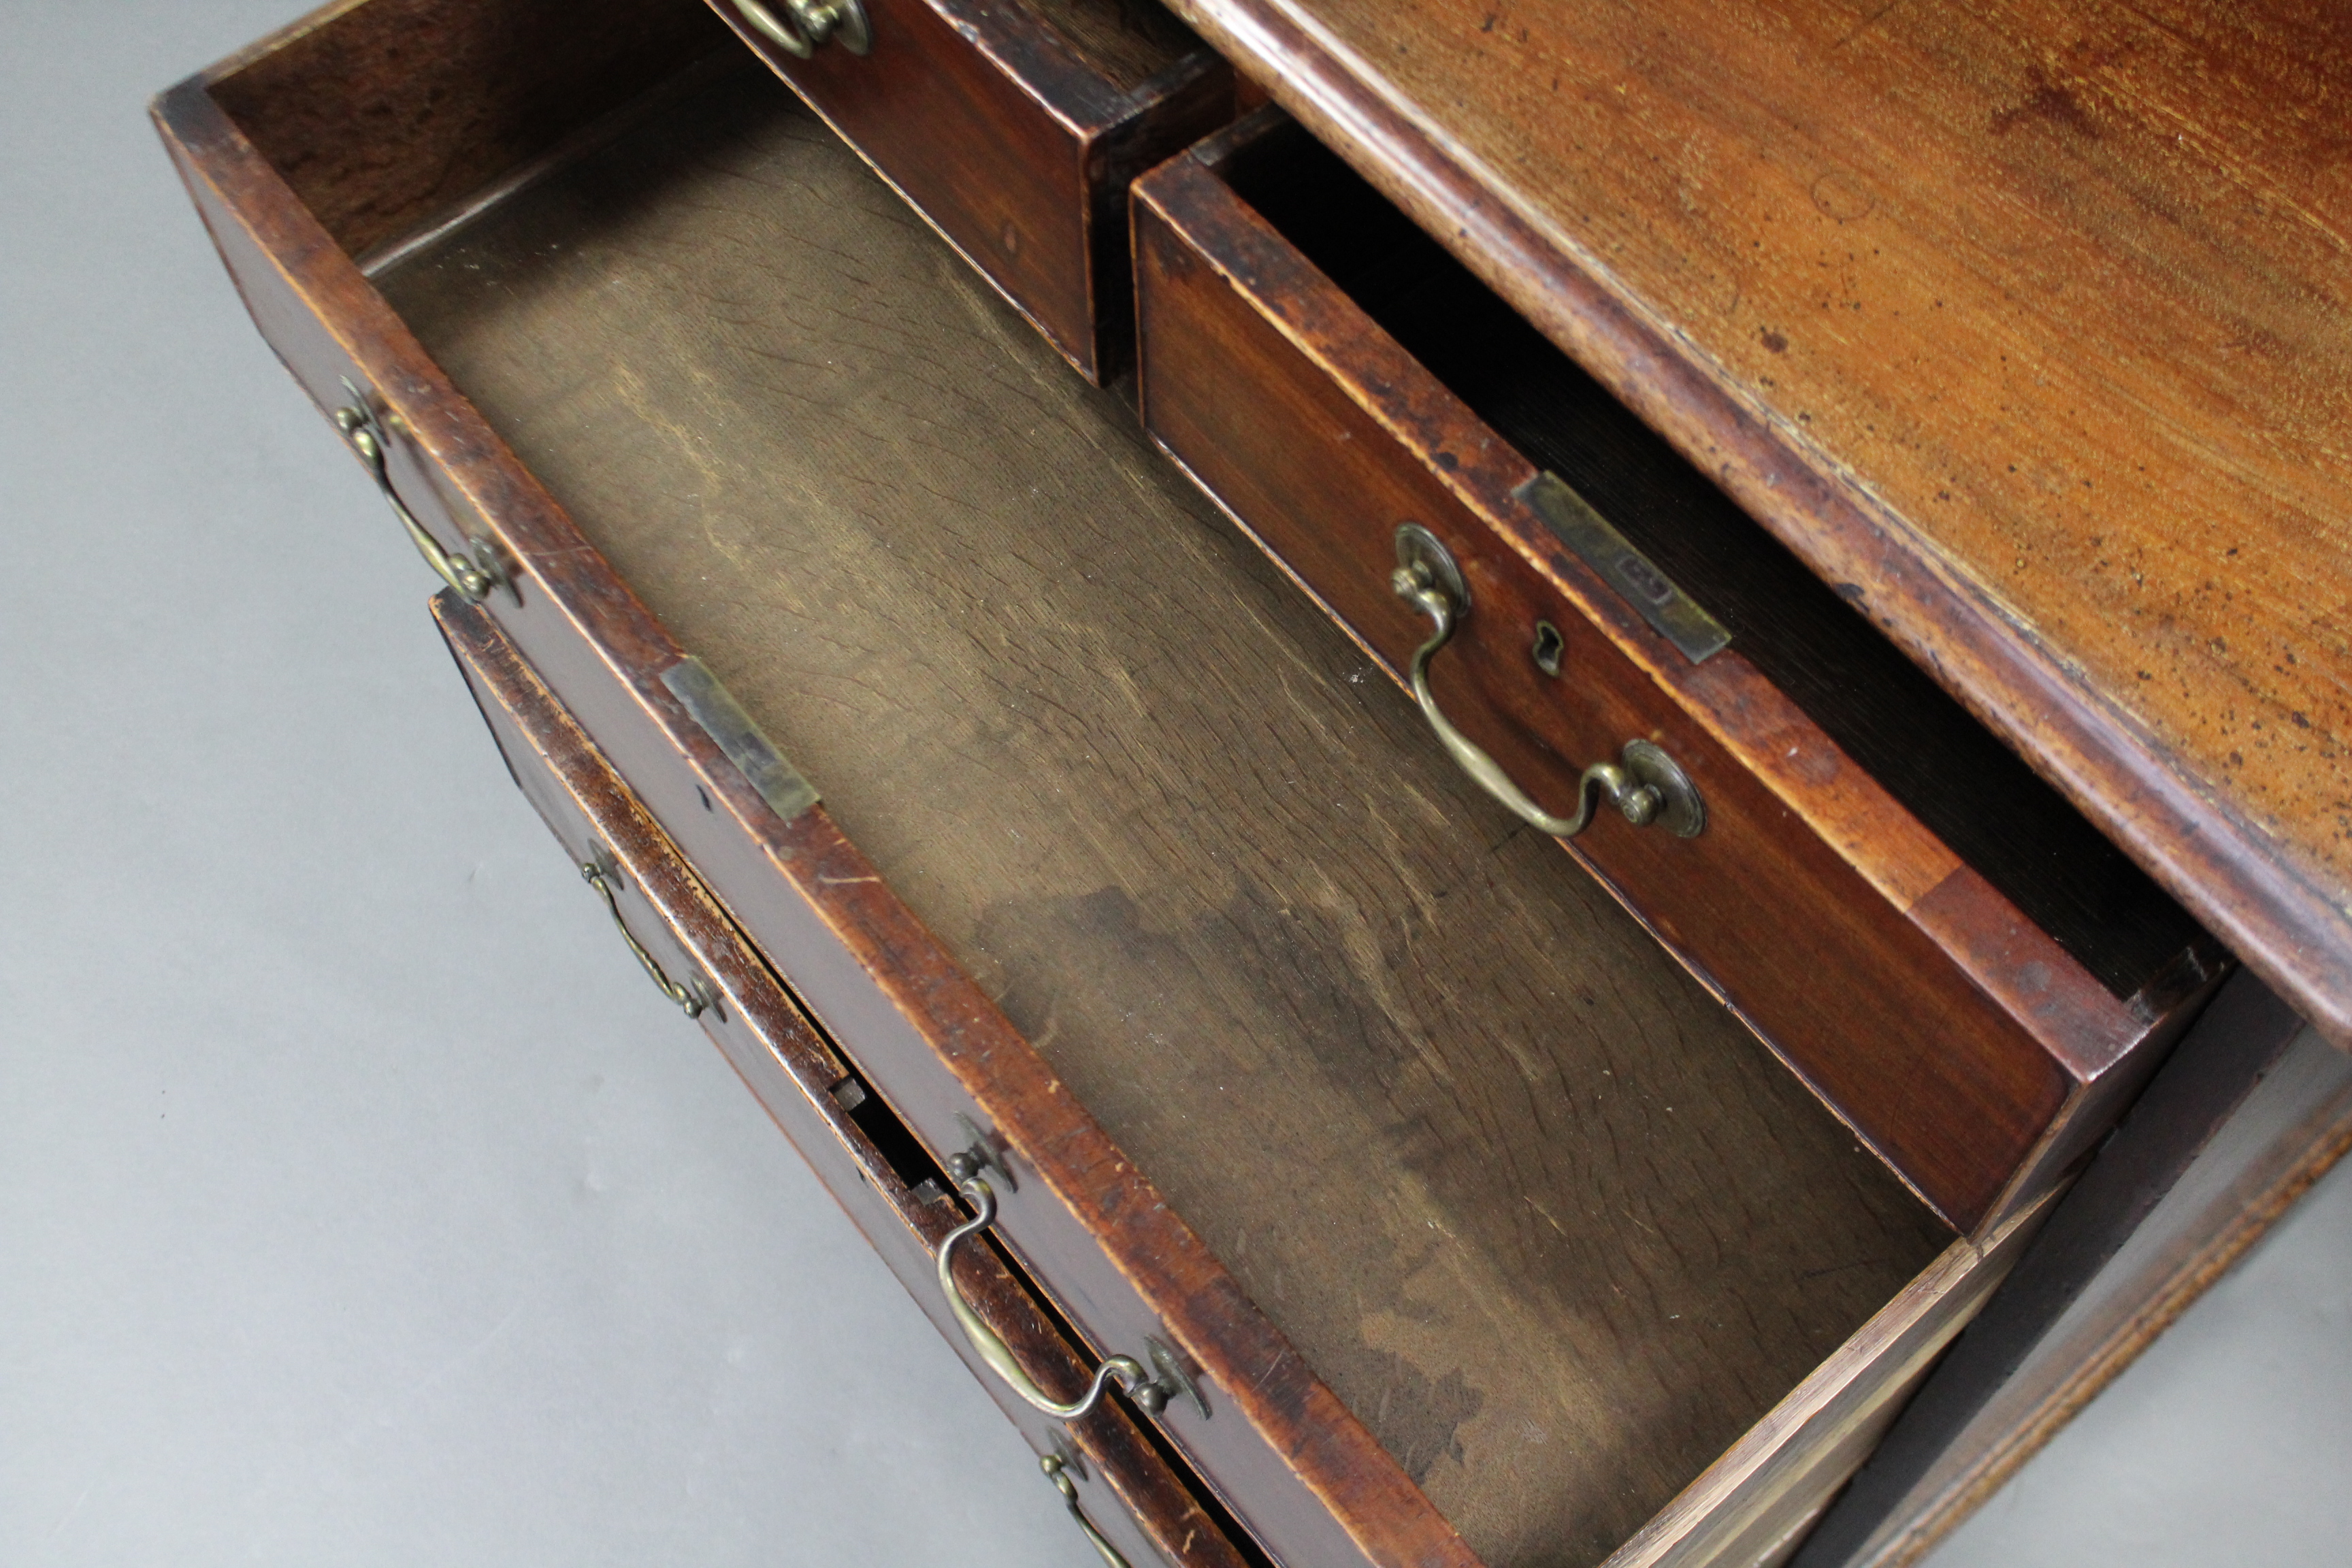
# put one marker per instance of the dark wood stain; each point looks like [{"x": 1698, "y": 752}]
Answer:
[
  {"x": 2051, "y": 104},
  {"x": 400, "y": 109},
  {"x": 2059, "y": 407},
  {"x": 1457, "y": 1125},
  {"x": 1311, "y": 1481},
  {"x": 1129, "y": 42},
  {"x": 1882, "y": 711}
]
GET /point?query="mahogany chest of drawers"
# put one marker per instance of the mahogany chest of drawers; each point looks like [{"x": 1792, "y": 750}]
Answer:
[{"x": 1098, "y": 785}]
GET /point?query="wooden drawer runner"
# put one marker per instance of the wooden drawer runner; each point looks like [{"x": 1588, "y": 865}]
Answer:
[
  {"x": 1016, "y": 128},
  {"x": 898, "y": 1200},
  {"x": 1487, "y": 1233},
  {"x": 1956, "y": 963}
]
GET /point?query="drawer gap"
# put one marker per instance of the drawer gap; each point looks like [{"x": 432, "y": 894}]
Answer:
[
  {"x": 1812, "y": 640},
  {"x": 892, "y": 1139}
]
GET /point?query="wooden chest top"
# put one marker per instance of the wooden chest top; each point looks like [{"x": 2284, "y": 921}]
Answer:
[{"x": 2023, "y": 324}]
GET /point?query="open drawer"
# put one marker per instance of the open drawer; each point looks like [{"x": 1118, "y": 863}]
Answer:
[
  {"x": 1482, "y": 1231},
  {"x": 1115, "y": 1481},
  {"x": 1962, "y": 967},
  {"x": 1016, "y": 126}
]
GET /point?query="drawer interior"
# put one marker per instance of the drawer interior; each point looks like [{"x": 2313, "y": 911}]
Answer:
[
  {"x": 1987, "y": 805},
  {"x": 1546, "y": 1218}
]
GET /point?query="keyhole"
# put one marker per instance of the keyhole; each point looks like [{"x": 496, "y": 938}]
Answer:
[{"x": 1549, "y": 646}]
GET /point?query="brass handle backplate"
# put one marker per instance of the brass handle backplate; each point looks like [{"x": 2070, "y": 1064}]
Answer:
[
  {"x": 1056, "y": 1470},
  {"x": 471, "y": 577},
  {"x": 1645, "y": 785},
  {"x": 803, "y": 24},
  {"x": 1149, "y": 1389},
  {"x": 691, "y": 998}
]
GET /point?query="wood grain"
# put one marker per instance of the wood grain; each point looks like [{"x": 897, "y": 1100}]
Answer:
[
  {"x": 1753, "y": 1505},
  {"x": 381, "y": 115},
  {"x": 1126, "y": 42},
  {"x": 1884, "y": 713},
  {"x": 2022, "y": 324},
  {"x": 2121, "y": 1255},
  {"x": 1130, "y": 781}
]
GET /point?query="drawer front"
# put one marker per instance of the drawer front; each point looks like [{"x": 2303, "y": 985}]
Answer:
[
  {"x": 1279, "y": 1451},
  {"x": 1953, "y": 1035},
  {"x": 1124, "y": 1489},
  {"x": 1015, "y": 145}
]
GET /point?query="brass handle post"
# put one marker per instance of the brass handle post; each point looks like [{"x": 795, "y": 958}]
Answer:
[
  {"x": 1151, "y": 1389},
  {"x": 691, "y": 999},
  {"x": 803, "y": 24},
  {"x": 1645, "y": 785},
  {"x": 1057, "y": 1471},
  {"x": 471, "y": 580}
]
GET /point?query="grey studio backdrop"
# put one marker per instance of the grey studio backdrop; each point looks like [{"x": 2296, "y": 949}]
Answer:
[{"x": 359, "y": 1202}]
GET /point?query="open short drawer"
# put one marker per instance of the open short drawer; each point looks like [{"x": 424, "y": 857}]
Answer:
[
  {"x": 1943, "y": 949},
  {"x": 1016, "y": 128},
  {"x": 1486, "y": 1232}
]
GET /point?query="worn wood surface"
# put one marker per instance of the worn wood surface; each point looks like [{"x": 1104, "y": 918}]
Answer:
[
  {"x": 1883, "y": 711},
  {"x": 1015, "y": 130},
  {"x": 1752, "y": 1505},
  {"x": 2298, "y": 1125},
  {"x": 1128, "y": 42},
  {"x": 2023, "y": 324},
  {"x": 1965, "y": 1032},
  {"x": 1306, "y": 1477},
  {"x": 801, "y": 1081},
  {"x": 1538, "y": 1209},
  {"x": 384, "y": 113}
]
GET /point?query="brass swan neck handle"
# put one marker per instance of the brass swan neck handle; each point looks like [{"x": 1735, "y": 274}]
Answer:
[{"x": 1645, "y": 785}]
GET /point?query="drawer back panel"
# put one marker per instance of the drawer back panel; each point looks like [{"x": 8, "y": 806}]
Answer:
[
  {"x": 1515, "y": 1185},
  {"x": 385, "y": 116}
]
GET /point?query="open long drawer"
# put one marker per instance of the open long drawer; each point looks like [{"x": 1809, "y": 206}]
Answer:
[{"x": 1445, "y": 1217}]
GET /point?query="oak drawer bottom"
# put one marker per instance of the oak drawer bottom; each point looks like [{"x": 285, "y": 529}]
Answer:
[{"x": 1540, "y": 1211}]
